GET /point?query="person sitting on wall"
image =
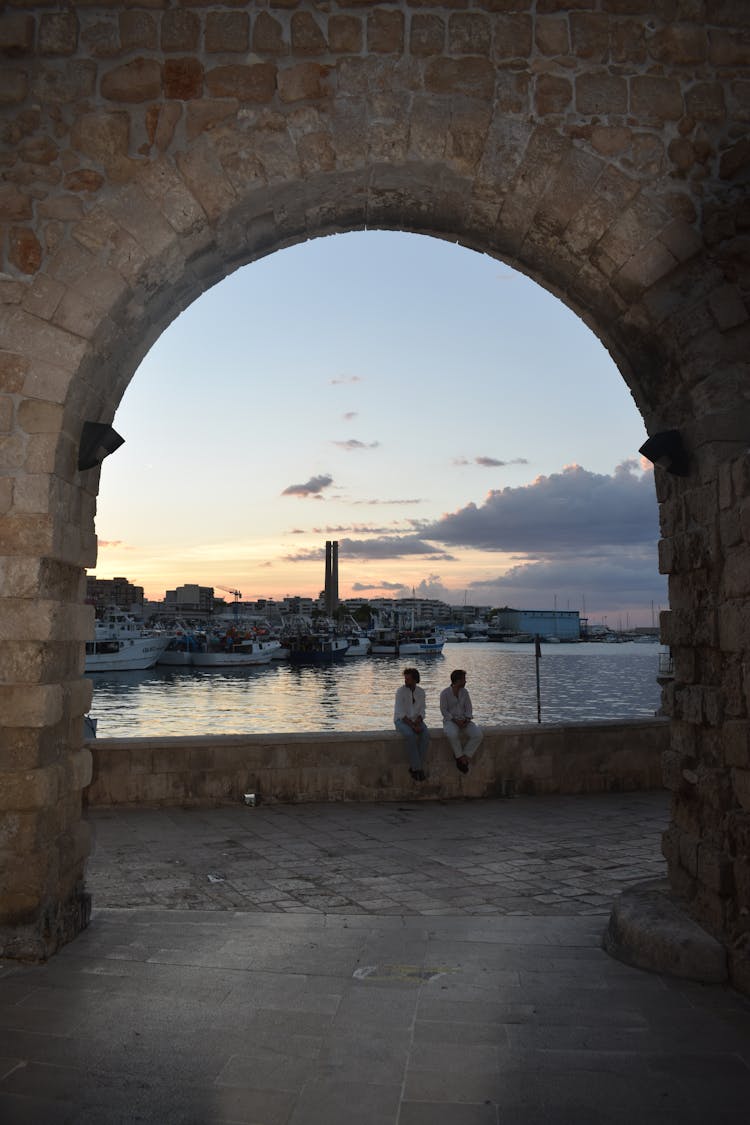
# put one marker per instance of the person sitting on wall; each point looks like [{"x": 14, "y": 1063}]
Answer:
[
  {"x": 457, "y": 712},
  {"x": 408, "y": 716}
]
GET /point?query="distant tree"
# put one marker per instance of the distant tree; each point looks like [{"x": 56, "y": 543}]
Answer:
[{"x": 363, "y": 614}]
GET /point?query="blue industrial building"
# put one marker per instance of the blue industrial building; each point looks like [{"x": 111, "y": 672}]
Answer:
[{"x": 564, "y": 624}]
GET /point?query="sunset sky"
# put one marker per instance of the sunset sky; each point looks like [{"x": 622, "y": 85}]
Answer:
[{"x": 456, "y": 428}]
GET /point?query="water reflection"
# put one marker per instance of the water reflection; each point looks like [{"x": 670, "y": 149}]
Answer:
[{"x": 578, "y": 683}]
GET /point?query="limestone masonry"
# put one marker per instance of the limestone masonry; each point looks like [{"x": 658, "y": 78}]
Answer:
[{"x": 149, "y": 149}]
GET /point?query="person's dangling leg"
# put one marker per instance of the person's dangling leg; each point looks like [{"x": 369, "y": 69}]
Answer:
[
  {"x": 453, "y": 735},
  {"x": 423, "y": 746},
  {"x": 475, "y": 736},
  {"x": 411, "y": 741}
]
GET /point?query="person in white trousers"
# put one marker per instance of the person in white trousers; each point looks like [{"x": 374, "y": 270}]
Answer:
[{"x": 458, "y": 720}]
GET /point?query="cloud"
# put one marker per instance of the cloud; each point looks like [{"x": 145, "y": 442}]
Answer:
[
  {"x": 416, "y": 500},
  {"x": 575, "y": 535},
  {"x": 492, "y": 463},
  {"x": 432, "y": 587},
  {"x": 313, "y": 487},
  {"x": 355, "y": 529},
  {"x": 489, "y": 462},
  {"x": 605, "y": 581},
  {"x": 341, "y": 379},
  {"x": 353, "y": 444},
  {"x": 384, "y": 547},
  {"x": 566, "y": 511},
  {"x": 390, "y": 586},
  {"x": 350, "y": 415},
  {"x": 113, "y": 543}
]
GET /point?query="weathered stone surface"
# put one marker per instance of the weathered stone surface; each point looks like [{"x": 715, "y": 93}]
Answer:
[
  {"x": 205, "y": 178},
  {"x": 514, "y": 36},
  {"x": 552, "y": 94},
  {"x": 474, "y": 77},
  {"x": 551, "y": 35},
  {"x": 84, "y": 179},
  {"x": 650, "y": 928},
  {"x": 16, "y": 34},
  {"x": 427, "y": 34},
  {"x": 227, "y": 31},
  {"x": 14, "y": 85},
  {"x": 136, "y": 81},
  {"x": 601, "y": 147},
  {"x": 102, "y": 136},
  {"x": 652, "y": 97},
  {"x": 268, "y": 35},
  {"x": 590, "y": 35},
  {"x": 601, "y": 93},
  {"x": 14, "y": 204},
  {"x": 308, "y": 36},
  {"x": 183, "y": 79},
  {"x": 58, "y": 33},
  {"x": 469, "y": 33},
  {"x": 138, "y": 29},
  {"x": 345, "y": 33},
  {"x": 180, "y": 30},
  {"x": 306, "y": 81},
  {"x": 246, "y": 83},
  {"x": 206, "y": 771},
  {"x": 385, "y": 31}
]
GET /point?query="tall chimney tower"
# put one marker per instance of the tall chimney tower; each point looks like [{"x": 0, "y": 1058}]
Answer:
[
  {"x": 334, "y": 576},
  {"x": 327, "y": 608}
]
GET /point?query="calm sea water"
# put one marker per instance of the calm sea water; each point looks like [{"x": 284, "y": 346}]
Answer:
[{"x": 579, "y": 683}]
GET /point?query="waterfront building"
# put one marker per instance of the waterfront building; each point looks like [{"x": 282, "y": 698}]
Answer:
[
  {"x": 298, "y": 605},
  {"x": 190, "y": 598},
  {"x": 110, "y": 592},
  {"x": 562, "y": 623}
]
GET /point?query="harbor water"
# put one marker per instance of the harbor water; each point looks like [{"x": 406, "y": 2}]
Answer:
[{"x": 578, "y": 683}]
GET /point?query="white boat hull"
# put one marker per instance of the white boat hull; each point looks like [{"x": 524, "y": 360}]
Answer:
[
  {"x": 358, "y": 646},
  {"x": 409, "y": 648},
  {"x": 229, "y": 659},
  {"x": 241, "y": 656},
  {"x": 124, "y": 654}
]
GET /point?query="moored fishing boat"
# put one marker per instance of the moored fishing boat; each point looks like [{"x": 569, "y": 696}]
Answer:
[
  {"x": 198, "y": 649},
  {"x": 235, "y": 654},
  {"x": 409, "y": 642},
  {"x": 315, "y": 648},
  {"x": 123, "y": 644},
  {"x": 359, "y": 644}
]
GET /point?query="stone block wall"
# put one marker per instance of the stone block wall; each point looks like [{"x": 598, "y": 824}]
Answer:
[
  {"x": 149, "y": 148},
  {"x": 707, "y": 552},
  {"x": 371, "y": 766}
]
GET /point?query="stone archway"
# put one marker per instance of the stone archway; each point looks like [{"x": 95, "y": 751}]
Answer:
[{"x": 150, "y": 149}]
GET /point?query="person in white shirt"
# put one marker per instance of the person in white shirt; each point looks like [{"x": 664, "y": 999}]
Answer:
[
  {"x": 457, "y": 712},
  {"x": 408, "y": 716}
]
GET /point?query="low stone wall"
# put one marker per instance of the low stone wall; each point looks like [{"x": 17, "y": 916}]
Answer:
[{"x": 371, "y": 765}]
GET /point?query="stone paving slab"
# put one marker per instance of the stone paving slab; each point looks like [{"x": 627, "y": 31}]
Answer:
[
  {"x": 220, "y": 1016},
  {"x": 527, "y": 856}
]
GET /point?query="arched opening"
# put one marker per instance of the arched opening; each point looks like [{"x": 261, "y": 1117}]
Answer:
[
  {"x": 147, "y": 161},
  {"x": 477, "y": 397}
]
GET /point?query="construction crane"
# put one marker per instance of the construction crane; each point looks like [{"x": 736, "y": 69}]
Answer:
[
  {"x": 237, "y": 593},
  {"x": 237, "y": 596}
]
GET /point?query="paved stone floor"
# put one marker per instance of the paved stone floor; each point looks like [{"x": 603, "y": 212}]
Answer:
[
  {"x": 422, "y": 964},
  {"x": 536, "y": 855}
]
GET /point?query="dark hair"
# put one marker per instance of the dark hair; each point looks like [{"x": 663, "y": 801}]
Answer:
[
  {"x": 458, "y": 674},
  {"x": 412, "y": 672}
]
